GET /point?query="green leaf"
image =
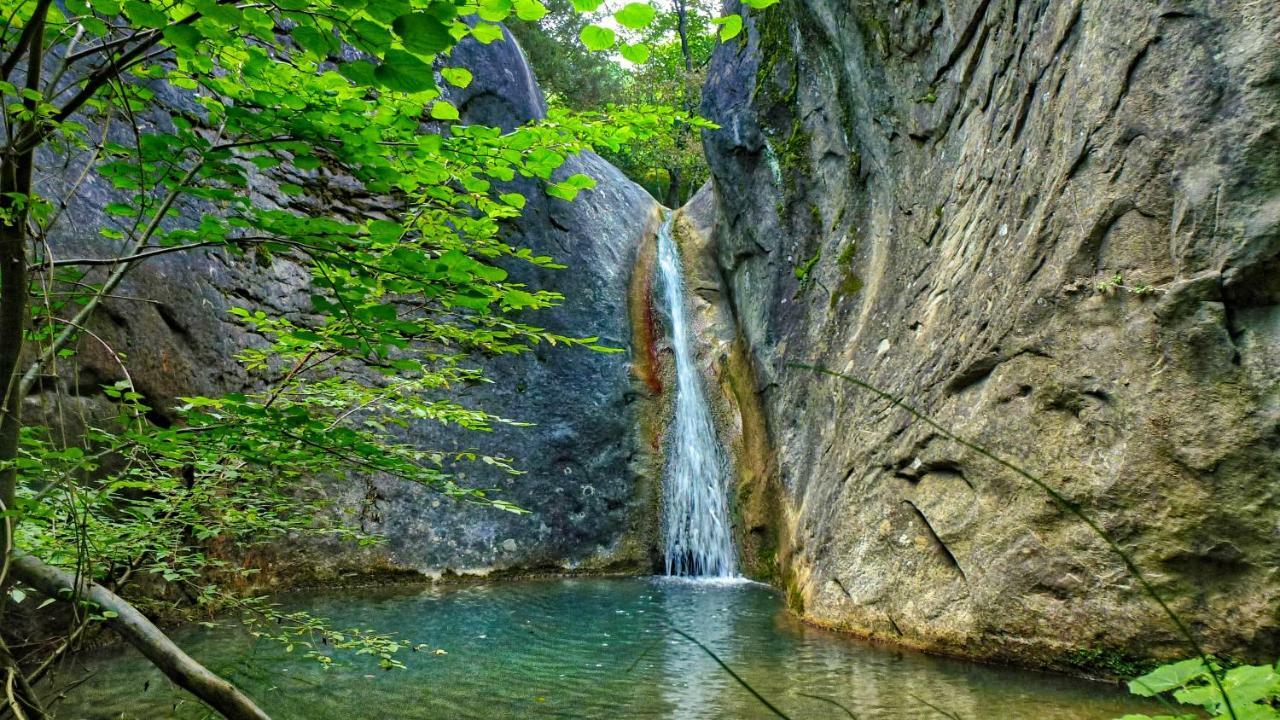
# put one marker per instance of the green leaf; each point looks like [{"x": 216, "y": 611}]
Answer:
[
  {"x": 579, "y": 181},
  {"x": 636, "y": 15},
  {"x": 423, "y": 33},
  {"x": 562, "y": 191},
  {"x": 597, "y": 38},
  {"x": 530, "y": 10},
  {"x": 730, "y": 27},
  {"x": 494, "y": 10},
  {"x": 311, "y": 39},
  {"x": 183, "y": 36},
  {"x": 516, "y": 299},
  {"x": 443, "y": 110},
  {"x": 360, "y": 72},
  {"x": 372, "y": 36},
  {"x": 144, "y": 15},
  {"x": 488, "y": 273},
  {"x": 486, "y": 33},
  {"x": 586, "y": 6},
  {"x": 1244, "y": 685},
  {"x": 760, "y": 4},
  {"x": 403, "y": 71},
  {"x": 1251, "y": 683},
  {"x": 458, "y": 77},
  {"x": 1167, "y": 677},
  {"x": 637, "y": 53}
]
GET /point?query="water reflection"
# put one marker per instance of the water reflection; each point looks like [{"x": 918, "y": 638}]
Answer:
[
  {"x": 692, "y": 682},
  {"x": 592, "y": 649}
]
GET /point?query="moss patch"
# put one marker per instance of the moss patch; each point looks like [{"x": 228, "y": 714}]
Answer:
[
  {"x": 849, "y": 282},
  {"x": 1099, "y": 662}
]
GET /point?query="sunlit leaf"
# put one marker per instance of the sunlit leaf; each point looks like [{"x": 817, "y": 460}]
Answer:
[{"x": 597, "y": 37}]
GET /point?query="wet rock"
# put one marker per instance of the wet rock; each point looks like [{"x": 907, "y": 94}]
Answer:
[{"x": 1050, "y": 225}]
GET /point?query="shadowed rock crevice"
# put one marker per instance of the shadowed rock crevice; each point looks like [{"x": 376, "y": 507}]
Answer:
[{"x": 936, "y": 541}]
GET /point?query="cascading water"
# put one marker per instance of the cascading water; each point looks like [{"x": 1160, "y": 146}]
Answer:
[{"x": 695, "y": 506}]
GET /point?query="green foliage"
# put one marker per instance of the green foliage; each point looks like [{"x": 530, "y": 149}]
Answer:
[
  {"x": 572, "y": 76},
  {"x": 803, "y": 270},
  {"x": 597, "y": 37},
  {"x": 1116, "y": 283},
  {"x": 849, "y": 283},
  {"x": 730, "y": 26},
  {"x": 672, "y": 74},
  {"x": 660, "y": 63},
  {"x": 1252, "y": 692},
  {"x": 408, "y": 293}
]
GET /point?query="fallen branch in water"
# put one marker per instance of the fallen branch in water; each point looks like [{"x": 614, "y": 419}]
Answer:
[{"x": 134, "y": 627}]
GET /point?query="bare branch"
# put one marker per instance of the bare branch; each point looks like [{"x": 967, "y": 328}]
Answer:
[
  {"x": 143, "y": 255},
  {"x": 33, "y": 372},
  {"x": 140, "y": 632}
]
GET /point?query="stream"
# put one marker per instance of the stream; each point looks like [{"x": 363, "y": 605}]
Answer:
[{"x": 587, "y": 648}]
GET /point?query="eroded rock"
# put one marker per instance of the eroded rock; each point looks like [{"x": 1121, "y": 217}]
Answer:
[{"x": 1050, "y": 225}]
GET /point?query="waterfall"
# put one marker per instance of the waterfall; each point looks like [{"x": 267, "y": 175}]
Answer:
[{"x": 695, "y": 508}]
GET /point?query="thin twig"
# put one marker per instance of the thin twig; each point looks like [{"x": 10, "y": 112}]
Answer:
[
  {"x": 941, "y": 711},
  {"x": 829, "y": 700},
  {"x": 59, "y": 342},
  {"x": 732, "y": 674},
  {"x": 143, "y": 255}
]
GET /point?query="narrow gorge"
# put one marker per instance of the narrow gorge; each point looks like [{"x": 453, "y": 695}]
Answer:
[{"x": 963, "y": 364}]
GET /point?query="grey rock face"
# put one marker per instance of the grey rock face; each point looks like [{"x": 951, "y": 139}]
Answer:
[
  {"x": 578, "y": 485},
  {"x": 1054, "y": 226}
]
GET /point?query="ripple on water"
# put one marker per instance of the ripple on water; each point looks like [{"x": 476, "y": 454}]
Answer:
[{"x": 593, "y": 649}]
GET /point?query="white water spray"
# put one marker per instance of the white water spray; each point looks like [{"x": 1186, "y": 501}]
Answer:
[{"x": 695, "y": 507}]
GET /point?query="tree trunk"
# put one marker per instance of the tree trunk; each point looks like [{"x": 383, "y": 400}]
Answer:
[
  {"x": 676, "y": 176},
  {"x": 13, "y": 310},
  {"x": 674, "y": 181},
  {"x": 15, "y": 202},
  {"x": 179, "y": 667},
  {"x": 682, "y": 27}
]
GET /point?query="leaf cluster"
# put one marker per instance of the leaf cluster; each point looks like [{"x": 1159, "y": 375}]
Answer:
[
  {"x": 1252, "y": 692},
  {"x": 225, "y": 127}
]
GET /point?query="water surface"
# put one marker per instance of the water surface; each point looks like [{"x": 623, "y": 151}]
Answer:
[{"x": 589, "y": 648}]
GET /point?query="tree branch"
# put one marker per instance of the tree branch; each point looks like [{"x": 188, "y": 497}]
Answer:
[
  {"x": 33, "y": 372},
  {"x": 143, "y": 255},
  {"x": 140, "y": 632},
  {"x": 34, "y": 25}
]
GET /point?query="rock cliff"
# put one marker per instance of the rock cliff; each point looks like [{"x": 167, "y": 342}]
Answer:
[
  {"x": 580, "y": 484},
  {"x": 1054, "y": 226}
]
